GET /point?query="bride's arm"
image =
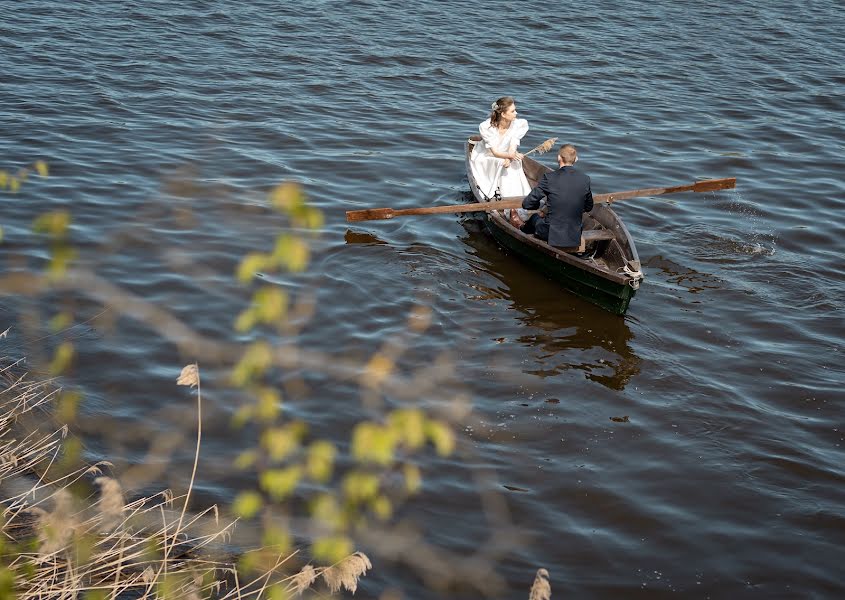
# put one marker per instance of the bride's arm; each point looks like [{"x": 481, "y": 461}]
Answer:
[
  {"x": 491, "y": 138},
  {"x": 510, "y": 154},
  {"x": 514, "y": 154}
]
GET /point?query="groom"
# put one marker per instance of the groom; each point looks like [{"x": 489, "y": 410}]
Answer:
[{"x": 568, "y": 195}]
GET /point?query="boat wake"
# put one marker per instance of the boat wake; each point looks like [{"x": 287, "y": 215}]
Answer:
[{"x": 727, "y": 245}]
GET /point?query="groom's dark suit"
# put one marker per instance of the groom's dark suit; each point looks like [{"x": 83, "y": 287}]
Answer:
[{"x": 568, "y": 195}]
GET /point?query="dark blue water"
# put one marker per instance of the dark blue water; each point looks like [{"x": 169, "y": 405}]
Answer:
[{"x": 165, "y": 124}]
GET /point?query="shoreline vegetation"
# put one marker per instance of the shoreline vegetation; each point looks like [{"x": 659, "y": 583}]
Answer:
[
  {"x": 69, "y": 530},
  {"x": 71, "y": 533}
]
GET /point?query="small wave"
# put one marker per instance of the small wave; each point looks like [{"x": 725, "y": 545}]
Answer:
[{"x": 726, "y": 245}]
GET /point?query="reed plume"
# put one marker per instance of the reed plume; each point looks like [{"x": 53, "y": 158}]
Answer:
[
  {"x": 543, "y": 148},
  {"x": 189, "y": 376},
  {"x": 111, "y": 503},
  {"x": 541, "y": 590},
  {"x": 347, "y": 572},
  {"x": 302, "y": 580}
]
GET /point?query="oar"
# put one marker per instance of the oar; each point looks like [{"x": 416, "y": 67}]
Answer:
[
  {"x": 708, "y": 185},
  {"x": 377, "y": 214}
]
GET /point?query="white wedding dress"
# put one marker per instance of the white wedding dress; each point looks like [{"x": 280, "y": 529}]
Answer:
[{"x": 489, "y": 171}]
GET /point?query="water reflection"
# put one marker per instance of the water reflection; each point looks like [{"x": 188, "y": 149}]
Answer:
[
  {"x": 564, "y": 332},
  {"x": 359, "y": 237},
  {"x": 686, "y": 278},
  {"x": 558, "y": 326},
  {"x": 728, "y": 244}
]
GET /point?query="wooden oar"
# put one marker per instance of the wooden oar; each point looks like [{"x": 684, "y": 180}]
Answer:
[
  {"x": 377, "y": 214},
  {"x": 708, "y": 185}
]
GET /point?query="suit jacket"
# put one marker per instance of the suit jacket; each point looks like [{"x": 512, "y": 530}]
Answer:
[{"x": 568, "y": 195}]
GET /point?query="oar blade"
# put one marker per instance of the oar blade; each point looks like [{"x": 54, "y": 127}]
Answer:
[
  {"x": 370, "y": 214},
  {"x": 713, "y": 185}
]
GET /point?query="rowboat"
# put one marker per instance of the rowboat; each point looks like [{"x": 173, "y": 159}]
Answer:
[{"x": 608, "y": 274}]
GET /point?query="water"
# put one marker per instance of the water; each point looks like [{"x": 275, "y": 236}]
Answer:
[{"x": 725, "y": 481}]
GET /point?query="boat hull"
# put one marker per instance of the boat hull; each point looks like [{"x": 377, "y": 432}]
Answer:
[
  {"x": 605, "y": 278},
  {"x": 609, "y": 295}
]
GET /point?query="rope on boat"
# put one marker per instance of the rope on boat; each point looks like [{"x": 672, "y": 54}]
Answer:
[{"x": 632, "y": 270}]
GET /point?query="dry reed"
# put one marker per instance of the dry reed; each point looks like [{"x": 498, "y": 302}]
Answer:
[
  {"x": 543, "y": 148},
  {"x": 112, "y": 547},
  {"x": 347, "y": 572},
  {"x": 302, "y": 580},
  {"x": 143, "y": 546},
  {"x": 541, "y": 589}
]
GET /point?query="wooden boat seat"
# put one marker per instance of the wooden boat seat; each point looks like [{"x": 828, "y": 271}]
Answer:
[{"x": 593, "y": 235}]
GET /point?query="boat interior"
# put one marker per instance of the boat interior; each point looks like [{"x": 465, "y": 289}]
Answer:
[{"x": 608, "y": 245}]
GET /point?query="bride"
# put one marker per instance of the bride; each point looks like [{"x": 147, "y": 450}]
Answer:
[{"x": 496, "y": 164}]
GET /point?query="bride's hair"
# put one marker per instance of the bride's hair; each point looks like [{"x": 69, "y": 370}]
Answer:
[{"x": 498, "y": 107}]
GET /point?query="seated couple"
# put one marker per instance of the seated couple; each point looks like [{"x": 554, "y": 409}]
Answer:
[{"x": 496, "y": 164}]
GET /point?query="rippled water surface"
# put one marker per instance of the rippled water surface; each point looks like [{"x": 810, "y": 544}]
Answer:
[{"x": 165, "y": 124}]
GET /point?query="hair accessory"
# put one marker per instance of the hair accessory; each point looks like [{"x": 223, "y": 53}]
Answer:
[{"x": 494, "y": 106}]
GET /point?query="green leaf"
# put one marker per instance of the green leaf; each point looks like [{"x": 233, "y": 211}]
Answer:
[
  {"x": 255, "y": 361},
  {"x": 62, "y": 257},
  {"x": 413, "y": 478},
  {"x": 251, "y": 264},
  {"x": 246, "y": 320},
  {"x": 280, "y": 483},
  {"x": 320, "y": 462},
  {"x": 71, "y": 452},
  {"x": 61, "y": 321},
  {"x": 271, "y": 304},
  {"x": 247, "y": 504},
  {"x": 326, "y": 511},
  {"x": 242, "y": 416},
  {"x": 360, "y": 487},
  {"x": 409, "y": 426},
  {"x": 312, "y": 218},
  {"x": 268, "y": 405},
  {"x": 246, "y": 459},
  {"x": 62, "y": 358},
  {"x": 54, "y": 223},
  {"x": 287, "y": 196},
  {"x": 67, "y": 406},
  {"x": 372, "y": 443},
  {"x": 382, "y": 507},
  {"x": 441, "y": 436},
  {"x": 292, "y": 252},
  {"x": 277, "y": 591},
  {"x": 277, "y": 539},
  {"x": 96, "y": 595},
  {"x": 331, "y": 550},
  {"x": 279, "y": 442},
  {"x": 7, "y": 584}
]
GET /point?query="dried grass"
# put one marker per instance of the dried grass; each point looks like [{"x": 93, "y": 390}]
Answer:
[
  {"x": 541, "y": 589},
  {"x": 544, "y": 147},
  {"x": 111, "y": 503},
  {"x": 347, "y": 572},
  {"x": 140, "y": 548},
  {"x": 302, "y": 580}
]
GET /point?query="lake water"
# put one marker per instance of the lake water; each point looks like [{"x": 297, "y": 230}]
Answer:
[{"x": 165, "y": 124}]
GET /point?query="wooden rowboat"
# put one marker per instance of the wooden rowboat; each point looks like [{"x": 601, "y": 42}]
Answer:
[{"x": 609, "y": 272}]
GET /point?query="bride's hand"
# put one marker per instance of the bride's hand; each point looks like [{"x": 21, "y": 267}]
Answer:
[
  {"x": 518, "y": 155},
  {"x": 507, "y": 163}
]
